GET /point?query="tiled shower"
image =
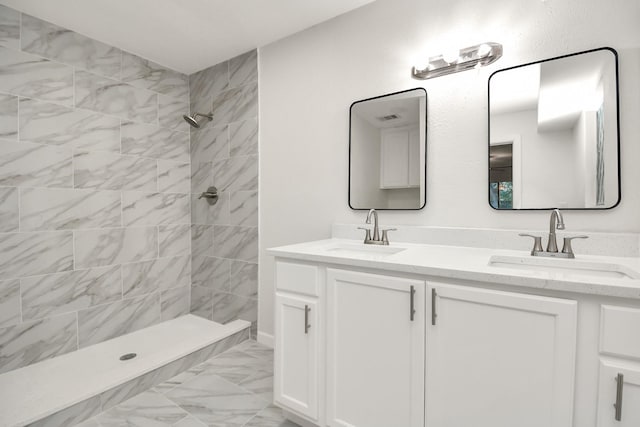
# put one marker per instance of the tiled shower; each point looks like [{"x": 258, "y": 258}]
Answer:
[{"x": 99, "y": 216}]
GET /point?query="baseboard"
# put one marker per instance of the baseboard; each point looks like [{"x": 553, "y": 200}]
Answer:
[{"x": 266, "y": 339}]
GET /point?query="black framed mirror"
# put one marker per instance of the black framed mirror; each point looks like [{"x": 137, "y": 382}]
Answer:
[
  {"x": 388, "y": 152},
  {"x": 554, "y": 133}
]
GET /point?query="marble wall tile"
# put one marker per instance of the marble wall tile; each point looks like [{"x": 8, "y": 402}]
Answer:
[
  {"x": 219, "y": 213},
  {"x": 244, "y": 279},
  {"x": 113, "y": 97},
  {"x": 174, "y": 240},
  {"x": 71, "y": 415},
  {"x": 211, "y": 272},
  {"x": 9, "y": 300},
  {"x": 159, "y": 274},
  {"x": 174, "y": 177},
  {"x": 199, "y": 210},
  {"x": 243, "y": 138},
  {"x": 228, "y": 307},
  {"x": 201, "y": 177},
  {"x": 145, "y": 74},
  {"x": 209, "y": 143},
  {"x": 201, "y": 240},
  {"x": 62, "y": 209},
  {"x": 155, "y": 208},
  {"x": 63, "y": 45},
  {"x": 204, "y": 84},
  {"x": 154, "y": 142},
  {"x": 201, "y": 270},
  {"x": 170, "y": 112},
  {"x": 175, "y": 302},
  {"x": 95, "y": 248},
  {"x": 202, "y": 301},
  {"x": 234, "y": 105},
  {"x": 9, "y": 27},
  {"x": 45, "y": 296},
  {"x": 114, "y": 172},
  {"x": 234, "y": 242},
  {"x": 244, "y": 208},
  {"x": 31, "y": 342},
  {"x": 34, "y": 77},
  {"x": 35, "y": 165},
  {"x": 9, "y": 209},
  {"x": 243, "y": 68},
  {"x": 47, "y": 123},
  {"x": 8, "y": 117},
  {"x": 236, "y": 173},
  {"x": 29, "y": 254},
  {"x": 108, "y": 321}
]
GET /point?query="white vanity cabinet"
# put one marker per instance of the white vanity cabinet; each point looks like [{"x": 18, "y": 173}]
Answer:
[{"x": 499, "y": 359}]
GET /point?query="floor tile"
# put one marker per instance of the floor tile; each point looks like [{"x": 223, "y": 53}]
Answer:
[
  {"x": 148, "y": 409},
  {"x": 271, "y": 416}
]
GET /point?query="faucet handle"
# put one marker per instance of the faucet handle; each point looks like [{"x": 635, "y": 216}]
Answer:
[
  {"x": 537, "y": 242},
  {"x": 385, "y": 238},
  {"x": 367, "y": 237},
  {"x": 566, "y": 247}
]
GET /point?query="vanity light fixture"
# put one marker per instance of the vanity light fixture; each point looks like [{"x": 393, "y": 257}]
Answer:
[{"x": 466, "y": 59}]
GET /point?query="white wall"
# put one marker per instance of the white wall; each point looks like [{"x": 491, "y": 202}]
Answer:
[{"x": 308, "y": 81}]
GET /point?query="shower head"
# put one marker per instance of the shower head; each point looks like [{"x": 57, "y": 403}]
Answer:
[{"x": 193, "y": 119}]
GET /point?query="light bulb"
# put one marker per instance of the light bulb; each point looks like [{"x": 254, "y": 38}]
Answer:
[
  {"x": 451, "y": 56},
  {"x": 484, "y": 50}
]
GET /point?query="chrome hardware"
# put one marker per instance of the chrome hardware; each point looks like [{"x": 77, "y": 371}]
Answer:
[
  {"x": 434, "y": 294},
  {"x": 566, "y": 247},
  {"x": 412, "y": 311},
  {"x": 307, "y": 309},
  {"x": 367, "y": 236},
  {"x": 375, "y": 240},
  {"x": 618, "y": 404},
  {"x": 537, "y": 242},
  {"x": 376, "y": 235},
  {"x": 211, "y": 195},
  {"x": 555, "y": 222},
  {"x": 385, "y": 238}
]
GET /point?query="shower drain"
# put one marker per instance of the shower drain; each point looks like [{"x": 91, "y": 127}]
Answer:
[{"x": 128, "y": 356}]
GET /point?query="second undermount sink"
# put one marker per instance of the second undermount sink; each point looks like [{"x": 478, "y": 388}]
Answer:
[
  {"x": 569, "y": 267},
  {"x": 360, "y": 249}
]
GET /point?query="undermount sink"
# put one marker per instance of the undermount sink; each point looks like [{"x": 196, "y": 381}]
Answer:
[
  {"x": 355, "y": 249},
  {"x": 565, "y": 266}
]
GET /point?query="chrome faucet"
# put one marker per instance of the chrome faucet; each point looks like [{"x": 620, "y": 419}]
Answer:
[
  {"x": 375, "y": 240},
  {"x": 376, "y": 231},
  {"x": 556, "y": 222}
]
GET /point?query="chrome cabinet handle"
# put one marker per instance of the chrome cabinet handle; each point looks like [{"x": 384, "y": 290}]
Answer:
[
  {"x": 434, "y": 294},
  {"x": 412, "y": 311},
  {"x": 618, "y": 404},
  {"x": 307, "y": 309},
  {"x": 537, "y": 242}
]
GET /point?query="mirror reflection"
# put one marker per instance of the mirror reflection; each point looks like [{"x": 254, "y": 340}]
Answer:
[
  {"x": 553, "y": 134},
  {"x": 387, "y": 151}
]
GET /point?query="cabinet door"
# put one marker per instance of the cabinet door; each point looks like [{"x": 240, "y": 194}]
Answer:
[
  {"x": 499, "y": 359},
  {"x": 627, "y": 395},
  {"x": 375, "y": 351},
  {"x": 394, "y": 159},
  {"x": 296, "y": 354}
]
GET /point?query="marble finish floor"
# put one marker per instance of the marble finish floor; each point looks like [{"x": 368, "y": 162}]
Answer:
[{"x": 232, "y": 389}]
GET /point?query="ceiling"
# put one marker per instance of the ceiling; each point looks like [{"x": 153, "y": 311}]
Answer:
[{"x": 186, "y": 35}]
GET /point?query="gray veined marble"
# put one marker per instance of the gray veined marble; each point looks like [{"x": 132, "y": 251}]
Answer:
[
  {"x": 31, "y": 342},
  {"x": 202, "y": 301},
  {"x": 9, "y": 303},
  {"x": 234, "y": 105},
  {"x": 8, "y": 117},
  {"x": 108, "y": 321},
  {"x": 71, "y": 415},
  {"x": 95, "y": 248},
  {"x": 114, "y": 172},
  {"x": 236, "y": 173},
  {"x": 236, "y": 242},
  {"x": 36, "y": 165},
  {"x": 243, "y": 138},
  {"x": 144, "y": 410},
  {"x": 113, "y": 97},
  {"x": 190, "y": 421},
  {"x": 29, "y": 254},
  {"x": 244, "y": 208},
  {"x": 219, "y": 213},
  {"x": 211, "y": 272},
  {"x": 201, "y": 179},
  {"x": 44, "y": 296},
  {"x": 35, "y": 77},
  {"x": 174, "y": 240},
  {"x": 66, "y": 46},
  {"x": 170, "y": 111},
  {"x": 62, "y": 209},
  {"x": 9, "y": 27},
  {"x": 159, "y": 274},
  {"x": 179, "y": 379},
  {"x": 201, "y": 239},
  {"x": 8, "y": 209},
  {"x": 175, "y": 302},
  {"x": 205, "y": 84},
  {"x": 155, "y": 208},
  {"x": 243, "y": 68},
  {"x": 174, "y": 177},
  {"x": 47, "y": 123},
  {"x": 155, "y": 142},
  {"x": 209, "y": 143},
  {"x": 146, "y": 74},
  {"x": 271, "y": 416},
  {"x": 228, "y": 307},
  {"x": 244, "y": 279}
]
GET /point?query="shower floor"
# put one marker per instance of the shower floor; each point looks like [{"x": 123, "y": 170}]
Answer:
[{"x": 234, "y": 388}]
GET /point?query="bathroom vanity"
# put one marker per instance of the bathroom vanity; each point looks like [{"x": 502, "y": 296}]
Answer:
[{"x": 425, "y": 335}]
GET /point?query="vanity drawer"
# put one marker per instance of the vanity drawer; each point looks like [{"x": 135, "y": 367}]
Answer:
[
  {"x": 619, "y": 328},
  {"x": 298, "y": 278}
]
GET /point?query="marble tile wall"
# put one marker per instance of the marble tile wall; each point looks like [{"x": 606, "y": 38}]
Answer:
[
  {"x": 224, "y": 153},
  {"x": 95, "y": 190}
]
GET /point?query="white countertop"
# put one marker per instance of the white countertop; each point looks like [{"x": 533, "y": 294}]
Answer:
[{"x": 472, "y": 264}]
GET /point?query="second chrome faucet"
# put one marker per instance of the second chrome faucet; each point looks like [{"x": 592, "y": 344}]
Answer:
[
  {"x": 376, "y": 239},
  {"x": 556, "y": 222}
]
